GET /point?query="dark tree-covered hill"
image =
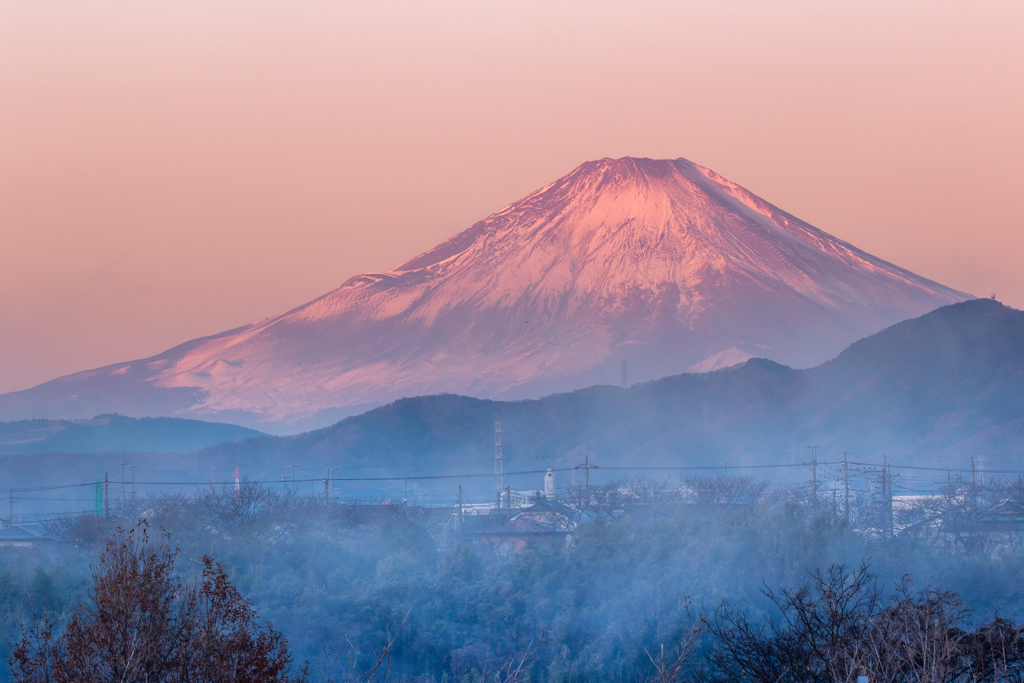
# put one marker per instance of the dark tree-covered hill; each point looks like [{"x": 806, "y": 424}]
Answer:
[
  {"x": 105, "y": 433},
  {"x": 935, "y": 389}
]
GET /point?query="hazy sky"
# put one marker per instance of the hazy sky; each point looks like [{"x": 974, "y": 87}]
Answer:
[{"x": 171, "y": 170}]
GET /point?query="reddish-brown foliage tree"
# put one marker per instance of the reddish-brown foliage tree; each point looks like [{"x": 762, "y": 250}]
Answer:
[{"x": 143, "y": 624}]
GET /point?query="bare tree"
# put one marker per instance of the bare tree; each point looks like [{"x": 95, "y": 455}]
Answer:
[
  {"x": 670, "y": 669},
  {"x": 817, "y": 627},
  {"x": 724, "y": 490},
  {"x": 836, "y": 628}
]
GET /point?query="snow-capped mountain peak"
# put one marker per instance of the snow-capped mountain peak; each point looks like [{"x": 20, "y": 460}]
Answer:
[{"x": 662, "y": 263}]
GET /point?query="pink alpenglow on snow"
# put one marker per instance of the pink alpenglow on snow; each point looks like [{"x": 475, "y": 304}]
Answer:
[{"x": 662, "y": 263}]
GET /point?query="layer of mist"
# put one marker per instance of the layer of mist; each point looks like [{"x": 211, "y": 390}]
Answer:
[{"x": 645, "y": 561}]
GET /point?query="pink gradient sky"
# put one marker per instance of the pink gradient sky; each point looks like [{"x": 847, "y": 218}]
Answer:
[{"x": 171, "y": 170}]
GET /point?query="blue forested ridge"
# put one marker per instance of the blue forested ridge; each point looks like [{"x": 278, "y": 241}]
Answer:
[{"x": 935, "y": 389}]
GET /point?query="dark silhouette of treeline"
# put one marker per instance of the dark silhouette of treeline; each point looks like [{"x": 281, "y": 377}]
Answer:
[
  {"x": 107, "y": 433},
  {"x": 723, "y": 578}
]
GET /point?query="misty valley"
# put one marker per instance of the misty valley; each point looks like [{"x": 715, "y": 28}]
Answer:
[
  {"x": 721, "y": 577},
  {"x": 862, "y": 518}
]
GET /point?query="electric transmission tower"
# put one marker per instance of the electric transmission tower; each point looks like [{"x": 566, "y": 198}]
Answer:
[{"x": 499, "y": 465}]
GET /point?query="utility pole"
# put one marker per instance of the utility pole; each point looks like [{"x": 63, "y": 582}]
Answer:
[
  {"x": 814, "y": 474},
  {"x": 624, "y": 365},
  {"x": 508, "y": 499},
  {"x": 586, "y": 472},
  {"x": 881, "y": 481},
  {"x": 327, "y": 486},
  {"x": 885, "y": 497},
  {"x": 106, "y": 494},
  {"x": 887, "y": 518},
  {"x": 460, "y": 512},
  {"x": 499, "y": 464},
  {"x": 122, "y": 479},
  {"x": 889, "y": 508},
  {"x": 846, "y": 489},
  {"x": 586, "y": 467},
  {"x": 974, "y": 490}
]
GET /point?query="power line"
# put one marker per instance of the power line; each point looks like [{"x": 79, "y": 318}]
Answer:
[{"x": 476, "y": 475}]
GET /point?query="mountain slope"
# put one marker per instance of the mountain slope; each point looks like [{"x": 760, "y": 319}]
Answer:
[
  {"x": 933, "y": 391},
  {"x": 661, "y": 263}
]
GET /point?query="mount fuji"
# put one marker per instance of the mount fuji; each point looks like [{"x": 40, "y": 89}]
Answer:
[{"x": 661, "y": 263}]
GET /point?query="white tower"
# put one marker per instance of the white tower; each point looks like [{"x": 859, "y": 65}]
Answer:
[{"x": 549, "y": 484}]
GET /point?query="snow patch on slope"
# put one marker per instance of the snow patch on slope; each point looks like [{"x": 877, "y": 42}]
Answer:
[{"x": 726, "y": 358}]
